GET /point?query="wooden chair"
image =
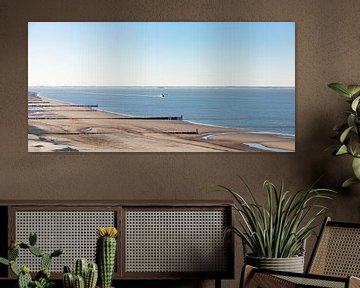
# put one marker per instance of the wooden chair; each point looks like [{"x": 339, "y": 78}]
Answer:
[{"x": 335, "y": 262}]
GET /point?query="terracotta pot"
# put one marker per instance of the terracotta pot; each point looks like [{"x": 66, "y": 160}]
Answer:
[{"x": 291, "y": 264}]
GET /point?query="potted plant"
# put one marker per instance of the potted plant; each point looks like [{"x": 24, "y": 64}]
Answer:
[
  {"x": 276, "y": 233},
  {"x": 106, "y": 254},
  {"x": 84, "y": 274},
  {"x": 348, "y": 132},
  {"x": 42, "y": 278}
]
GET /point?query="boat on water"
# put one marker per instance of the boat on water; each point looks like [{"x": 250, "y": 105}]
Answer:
[{"x": 162, "y": 95}]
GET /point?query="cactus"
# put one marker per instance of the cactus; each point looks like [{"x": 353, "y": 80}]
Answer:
[
  {"x": 67, "y": 269},
  {"x": 79, "y": 282},
  {"x": 91, "y": 276},
  {"x": 42, "y": 278},
  {"x": 80, "y": 267},
  {"x": 106, "y": 254},
  {"x": 13, "y": 253},
  {"x": 24, "y": 280},
  {"x": 43, "y": 274},
  {"x": 45, "y": 261},
  {"x": 32, "y": 238},
  {"x": 36, "y": 251},
  {"x": 24, "y": 245},
  {"x": 90, "y": 272},
  {"x": 68, "y": 280},
  {"x": 57, "y": 252}
]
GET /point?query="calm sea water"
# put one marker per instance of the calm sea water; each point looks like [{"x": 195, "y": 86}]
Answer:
[{"x": 258, "y": 109}]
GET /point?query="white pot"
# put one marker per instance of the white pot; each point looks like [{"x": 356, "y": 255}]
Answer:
[{"x": 291, "y": 264}]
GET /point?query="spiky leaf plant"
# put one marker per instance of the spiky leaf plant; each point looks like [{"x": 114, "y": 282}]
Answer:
[
  {"x": 348, "y": 132},
  {"x": 278, "y": 229}
]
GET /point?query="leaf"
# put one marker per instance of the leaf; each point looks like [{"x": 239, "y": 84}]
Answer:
[
  {"x": 356, "y": 167},
  {"x": 345, "y": 134},
  {"x": 354, "y": 145},
  {"x": 14, "y": 268},
  {"x": 4, "y": 261},
  {"x": 340, "y": 88},
  {"x": 351, "y": 120},
  {"x": 355, "y": 103},
  {"x": 353, "y": 89},
  {"x": 349, "y": 182},
  {"x": 342, "y": 150}
]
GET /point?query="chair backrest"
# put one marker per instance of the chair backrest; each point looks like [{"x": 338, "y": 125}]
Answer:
[{"x": 337, "y": 251}]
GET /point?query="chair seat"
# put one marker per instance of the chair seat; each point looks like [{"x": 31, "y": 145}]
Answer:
[
  {"x": 314, "y": 282},
  {"x": 335, "y": 262},
  {"x": 255, "y": 277}
]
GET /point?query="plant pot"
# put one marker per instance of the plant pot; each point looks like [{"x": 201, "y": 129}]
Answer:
[{"x": 291, "y": 264}]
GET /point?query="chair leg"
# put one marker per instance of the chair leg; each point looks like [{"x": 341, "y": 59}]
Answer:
[
  {"x": 217, "y": 283},
  {"x": 246, "y": 274},
  {"x": 250, "y": 278}
]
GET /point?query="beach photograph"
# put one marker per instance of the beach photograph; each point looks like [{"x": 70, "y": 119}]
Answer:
[{"x": 161, "y": 87}]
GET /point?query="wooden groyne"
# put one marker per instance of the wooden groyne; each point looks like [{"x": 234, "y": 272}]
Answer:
[{"x": 182, "y": 132}]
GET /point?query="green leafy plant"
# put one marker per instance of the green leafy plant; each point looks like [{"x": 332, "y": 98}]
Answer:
[
  {"x": 43, "y": 283},
  {"x": 279, "y": 229},
  {"x": 348, "y": 132},
  {"x": 42, "y": 278}
]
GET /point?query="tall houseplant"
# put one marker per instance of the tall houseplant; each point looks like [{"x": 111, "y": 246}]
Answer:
[
  {"x": 348, "y": 132},
  {"x": 276, "y": 233}
]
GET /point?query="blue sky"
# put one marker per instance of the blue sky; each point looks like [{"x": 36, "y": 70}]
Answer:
[{"x": 161, "y": 53}]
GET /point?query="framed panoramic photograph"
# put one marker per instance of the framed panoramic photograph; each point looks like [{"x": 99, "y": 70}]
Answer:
[{"x": 161, "y": 87}]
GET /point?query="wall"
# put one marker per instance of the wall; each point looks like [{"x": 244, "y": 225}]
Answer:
[{"x": 327, "y": 50}]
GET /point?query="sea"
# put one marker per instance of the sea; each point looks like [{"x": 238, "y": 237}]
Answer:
[{"x": 258, "y": 109}]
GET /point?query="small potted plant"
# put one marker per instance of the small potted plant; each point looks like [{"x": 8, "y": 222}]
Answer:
[
  {"x": 42, "y": 278},
  {"x": 348, "y": 132},
  {"x": 84, "y": 274},
  {"x": 106, "y": 254},
  {"x": 275, "y": 233}
]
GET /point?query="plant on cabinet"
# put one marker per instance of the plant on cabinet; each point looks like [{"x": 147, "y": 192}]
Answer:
[
  {"x": 42, "y": 278},
  {"x": 106, "y": 254},
  {"x": 275, "y": 233}
]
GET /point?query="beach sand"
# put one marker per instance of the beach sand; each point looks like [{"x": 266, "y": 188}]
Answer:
[{"x": 55, "y": 126}]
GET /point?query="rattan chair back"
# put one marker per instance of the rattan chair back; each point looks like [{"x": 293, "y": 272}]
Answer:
[{"x": 337, "y": 252}]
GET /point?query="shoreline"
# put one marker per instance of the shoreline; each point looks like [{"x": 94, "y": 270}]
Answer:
[
  {"x": 241, "y": 130},
  {"x": 81, "y": 129}
]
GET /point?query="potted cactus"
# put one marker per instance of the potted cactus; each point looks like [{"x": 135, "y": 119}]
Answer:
[
  {"x": 85, "y": 275},
  {"x": 42, "y": 278},
  {"x": 106, "y": 254}
]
